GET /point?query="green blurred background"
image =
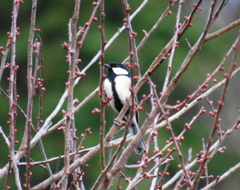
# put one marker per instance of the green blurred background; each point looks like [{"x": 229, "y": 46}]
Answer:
[{"x": 52, "y": 19}]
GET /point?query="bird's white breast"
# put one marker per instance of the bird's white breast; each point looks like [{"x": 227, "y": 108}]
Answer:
[
  {"x": 108, "y": 87},
  {"x": 122, "y": 85}
]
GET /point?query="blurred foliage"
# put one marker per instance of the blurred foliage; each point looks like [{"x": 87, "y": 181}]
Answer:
[{"x": 52, "y": 19}]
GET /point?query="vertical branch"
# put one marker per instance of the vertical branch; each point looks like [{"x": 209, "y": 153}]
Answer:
[
  {"x": 38, "y": 84},
  {"x": 38, "y": 68},
  {"x": 101, "y": 92},
  {"x": 27, "y": 132},
  {"x": 131, "y": 46},
  {"x": 12, "y": 79},
  {"x": 73, "y": 59},
  {"x": 132, "y": 53},
  {"x": 13, "y": 92}
]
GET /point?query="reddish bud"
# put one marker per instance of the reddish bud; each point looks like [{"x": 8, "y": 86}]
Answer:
[
  {"x": 226, "y": 75},
  {"x": 211, "y": 113},
  {"x": 96, "y": 110},
  {"x": 221, "y": 132},
  {"x": 128, "y": 65},
  {"x": 220, "y": 103},
  {"x": 25, "y": 185},
  {"x": 187, "y": 126},
  {"x": 61, "y": 128},
  {"x": 136, "y": 77},
  {"x": 94, "y": 3},
  {"x": 186, "y": 18},
  {"x": 145, "y": 174},
  {"x": 154, "y": 133},
  {"x": 128, "y": 9},
  {"x": 182, "y": 2},
  {"x": 180, "y": 166},
  {"x": 128, "y": 179},
  {"x": 79, "y": 43},
  {"x": 181, "y": 138},
  {"x": 81, "y": 74},
  {"x": 58, "y": 187},
  {"x": 88, "y": 131},
  {"x": 178, "y": 102},
  {"x": 86, "y": 24},
  {"x": 109, "y": 98},
  {"x": 166, "y": 173},
  {"x": 221, "y": 69},
  {"x": 94, "y": 18},
  {"x": 65, "y": 46},
  {"x": 205, "y": 86}
]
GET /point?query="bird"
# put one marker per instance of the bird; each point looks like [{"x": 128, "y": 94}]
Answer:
[{"x": 116, "y": 85}]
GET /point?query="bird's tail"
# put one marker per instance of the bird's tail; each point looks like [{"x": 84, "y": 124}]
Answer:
[{"x": 134, "y": 128}]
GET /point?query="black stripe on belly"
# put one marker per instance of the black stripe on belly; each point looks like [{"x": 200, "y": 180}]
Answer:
[{"x": 117, "y": 101}]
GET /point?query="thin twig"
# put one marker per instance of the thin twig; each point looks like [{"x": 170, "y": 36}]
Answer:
[
  {"x": 216, "y": 121},
  {"x": 175, "y": 37},
  {"x": 220, "y": 178}
]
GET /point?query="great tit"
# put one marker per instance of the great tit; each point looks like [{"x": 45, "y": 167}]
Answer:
[{"x": 117, "y": 86}]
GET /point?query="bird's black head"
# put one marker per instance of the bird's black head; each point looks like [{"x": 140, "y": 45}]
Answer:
[{"x": 116, "y": 69}]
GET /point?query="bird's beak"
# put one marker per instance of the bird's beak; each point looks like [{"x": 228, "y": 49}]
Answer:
[{"x": 107, "y": 65}]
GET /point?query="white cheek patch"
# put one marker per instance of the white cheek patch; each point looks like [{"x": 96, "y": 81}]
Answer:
[
  {"x": 122, "y": 87},
  {"x": 119, "y": 71}
]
